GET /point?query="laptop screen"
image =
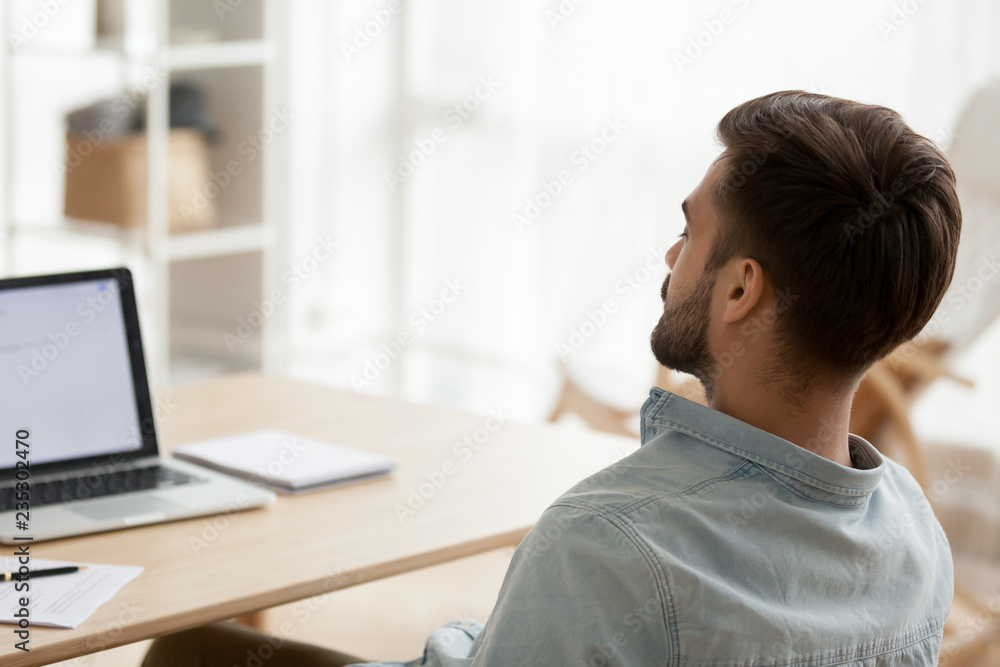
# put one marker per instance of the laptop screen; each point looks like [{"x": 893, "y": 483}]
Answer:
[{"x": 65, "y": 370}]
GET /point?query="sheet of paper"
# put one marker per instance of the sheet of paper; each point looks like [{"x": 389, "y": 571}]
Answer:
[{"x": 64, "y": 600}]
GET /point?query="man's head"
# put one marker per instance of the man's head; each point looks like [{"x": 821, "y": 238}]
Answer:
[{"x": 826, "y": 231}]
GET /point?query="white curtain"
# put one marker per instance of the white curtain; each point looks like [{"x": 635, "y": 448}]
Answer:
[{"x": 503, "y": 178}]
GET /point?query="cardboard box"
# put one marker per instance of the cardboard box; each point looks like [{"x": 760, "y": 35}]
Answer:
[{"x": 106, "y": 180}]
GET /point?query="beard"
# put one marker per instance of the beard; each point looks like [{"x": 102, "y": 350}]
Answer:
[{"x": 680, "y": 339}]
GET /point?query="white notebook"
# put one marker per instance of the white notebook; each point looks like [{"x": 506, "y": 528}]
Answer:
[{"x": 286, "y": 462}]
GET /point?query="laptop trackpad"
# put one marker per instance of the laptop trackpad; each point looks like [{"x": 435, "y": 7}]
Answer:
[{"x": 126, "y": 507}]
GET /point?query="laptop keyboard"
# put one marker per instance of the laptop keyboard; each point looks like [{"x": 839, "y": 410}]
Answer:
[{"x": 96, "y": 486}]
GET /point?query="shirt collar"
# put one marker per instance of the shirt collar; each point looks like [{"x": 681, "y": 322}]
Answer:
[{"x": 810, "y": 473}]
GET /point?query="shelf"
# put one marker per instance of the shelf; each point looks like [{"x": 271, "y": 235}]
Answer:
[
  {"x": 217, "y": 242},
  {"x": 93, "y": 228},
  {"x": 82, "y": 227},
  {"x": 67, "y": 54},
  {"x": 218, "y": 55},
  {"x": 214, "y": 242},
  {"x": 184, "y": 57},
  {"x": 217, "y": 21},
  {"x": 200, "y": 282}
]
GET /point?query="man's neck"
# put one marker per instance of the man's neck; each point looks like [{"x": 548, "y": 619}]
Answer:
[{"x": 819, "y": 424}]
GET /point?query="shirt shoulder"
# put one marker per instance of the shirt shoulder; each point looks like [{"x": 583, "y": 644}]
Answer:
[
  {"x": 589, "y": 571},
  {"x": 672, "y": 463}
]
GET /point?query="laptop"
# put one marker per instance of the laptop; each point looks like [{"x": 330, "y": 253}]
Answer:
[{"x": 78, "y": 449}]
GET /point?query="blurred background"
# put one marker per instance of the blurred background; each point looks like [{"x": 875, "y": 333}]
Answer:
[{"x": 457, "y": 201}]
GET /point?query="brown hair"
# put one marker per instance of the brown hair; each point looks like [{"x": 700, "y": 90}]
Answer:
[{"x": 849, "y": 209}]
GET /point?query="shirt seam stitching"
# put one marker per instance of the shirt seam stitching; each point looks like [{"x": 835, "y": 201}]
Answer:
[
  {"x": 733, "y": 474},
  {"x": 650, "y": 417},
  {"x": 753, "y": 456},
  {"x": 625, "y": 527},
  {"x": 909, "y": 639},
  {"x": 797, "y": 492}
]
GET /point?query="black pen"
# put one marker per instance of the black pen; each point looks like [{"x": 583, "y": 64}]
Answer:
[{"x": 9, "y": 576}]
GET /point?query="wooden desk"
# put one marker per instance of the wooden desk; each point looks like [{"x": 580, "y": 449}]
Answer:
[{"x": 212, "y": 568}]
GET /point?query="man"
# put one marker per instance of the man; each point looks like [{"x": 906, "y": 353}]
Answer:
[{"x": 756, "y": 531}]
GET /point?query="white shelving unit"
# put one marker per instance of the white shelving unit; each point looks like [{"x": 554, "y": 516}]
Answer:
[{"x": 195, "y": 286}]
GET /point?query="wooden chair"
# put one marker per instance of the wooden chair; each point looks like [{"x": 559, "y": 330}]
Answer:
[{"x": 972, "y": 304}]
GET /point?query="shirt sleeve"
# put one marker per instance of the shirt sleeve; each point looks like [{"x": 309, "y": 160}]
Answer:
[
  {"x": 448, "y": 646},
  {"x": 579, "y": 591}
]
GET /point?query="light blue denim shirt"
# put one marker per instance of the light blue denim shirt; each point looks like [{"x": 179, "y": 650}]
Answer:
[{"x": 717, "y": 543}]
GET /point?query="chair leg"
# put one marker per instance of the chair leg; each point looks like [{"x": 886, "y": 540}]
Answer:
[
  {"x": 598, "y": 415},
  {"x": 889, "y": 388},
  {"x": 256, "y": 620}
]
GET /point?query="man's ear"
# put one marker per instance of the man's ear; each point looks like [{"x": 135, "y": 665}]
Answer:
[{"x": 744, "y": 289}]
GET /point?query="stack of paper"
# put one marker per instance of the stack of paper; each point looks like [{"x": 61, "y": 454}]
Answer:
[
  {"x": 285, "y": 462},
  {"x": 63, "y": 600}
]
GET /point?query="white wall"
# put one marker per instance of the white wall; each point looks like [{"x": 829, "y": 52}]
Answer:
[{"x": 560, "y": 82}]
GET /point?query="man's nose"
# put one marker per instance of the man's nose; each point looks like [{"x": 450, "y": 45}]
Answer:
[{"x": 671, "y": 258}]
